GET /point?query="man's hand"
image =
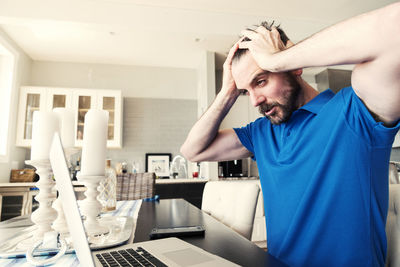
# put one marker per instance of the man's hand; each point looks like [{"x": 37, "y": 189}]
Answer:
[
  {"x": 228, "y": 83},
  {"x": 263, "y": 45}
]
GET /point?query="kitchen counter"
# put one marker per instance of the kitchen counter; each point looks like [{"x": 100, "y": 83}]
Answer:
[
  {"x": 190, "y": 189},
  {"x": 158, "y": 181},
  {"x": 181, "y": 181},
  {"x": 76, "y": 183},
  {"x": 17, "y": 184},
  {"x": 238, "y": 178}
]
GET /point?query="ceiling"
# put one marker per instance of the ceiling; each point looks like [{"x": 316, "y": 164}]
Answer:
[{"x": 171, "y": 33}]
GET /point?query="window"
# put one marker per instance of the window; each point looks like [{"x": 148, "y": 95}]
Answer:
[{"x": 7, "y": 64}]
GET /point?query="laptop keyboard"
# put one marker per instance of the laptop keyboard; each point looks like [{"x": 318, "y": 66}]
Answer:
[{"x": 129, "y": 257}]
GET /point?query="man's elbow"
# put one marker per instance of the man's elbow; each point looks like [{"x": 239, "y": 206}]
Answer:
[
  {"x": 391, "y": 20},
  {"x": 191, "y": 155},
  {"x": 185, "y": 151}
]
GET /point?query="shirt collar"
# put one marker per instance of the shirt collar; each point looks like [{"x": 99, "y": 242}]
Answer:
[{"x": 315, "y": 105}]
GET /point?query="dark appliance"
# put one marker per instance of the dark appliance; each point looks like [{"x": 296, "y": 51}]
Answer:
[{"x": 232, "y": 168}]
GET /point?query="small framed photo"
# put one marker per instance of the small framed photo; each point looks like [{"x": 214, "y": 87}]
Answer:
[{"x": 158, "y": 163}]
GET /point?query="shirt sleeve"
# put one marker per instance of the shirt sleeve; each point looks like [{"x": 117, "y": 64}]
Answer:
[
  {"x": 245, "y": 136},
  {"x": 362, "y": 122}
]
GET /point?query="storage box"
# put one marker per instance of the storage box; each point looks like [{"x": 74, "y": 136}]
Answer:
[{"x": 23, "y": 175}]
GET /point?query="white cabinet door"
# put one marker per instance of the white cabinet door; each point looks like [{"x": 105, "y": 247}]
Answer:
[
  {"x": 30, "y": 100},
  {"x": 82, "y": 101},
  {"x": 58, "y": 98},
  {"x": 111, "y": 101}
]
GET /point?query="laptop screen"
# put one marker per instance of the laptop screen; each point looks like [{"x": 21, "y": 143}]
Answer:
[{"x": 68, "y": 200}]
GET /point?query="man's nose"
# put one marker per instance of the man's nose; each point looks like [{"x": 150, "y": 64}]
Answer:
[{"x": 256, "y": 99}]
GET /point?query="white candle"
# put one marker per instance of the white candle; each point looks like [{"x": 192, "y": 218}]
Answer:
[
  {"x": 94, "y": 142},
  {"x": 66, "y": 126},
  {"x": 44, "y": 125}
]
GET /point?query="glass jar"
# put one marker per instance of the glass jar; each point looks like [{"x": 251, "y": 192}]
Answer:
[
  {"x": 195, "y": 170},
  {"x": 107, "y": 189}
]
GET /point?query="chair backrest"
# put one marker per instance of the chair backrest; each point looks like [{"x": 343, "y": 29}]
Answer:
[
  {"x": 131, "y": 186},
  {"x": 233, "y": 203},
  {"x": 393, "y": 227},
  {"x": 393, "y": 174}
]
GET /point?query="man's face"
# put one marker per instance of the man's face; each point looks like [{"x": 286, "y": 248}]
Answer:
[{"x": 275, "y": 94}]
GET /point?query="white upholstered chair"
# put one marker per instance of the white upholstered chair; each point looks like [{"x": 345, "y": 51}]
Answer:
[
  {"x": 393, "y": 227},
  {"x": 259, "y": 234},
  {"x": 232, "y": 203},
  {"x": 393, "y": 174}
]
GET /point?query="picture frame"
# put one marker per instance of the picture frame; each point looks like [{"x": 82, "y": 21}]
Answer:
[{"x": 158, "y": 163}]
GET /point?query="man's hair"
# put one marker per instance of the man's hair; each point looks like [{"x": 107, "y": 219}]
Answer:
[{"x": 241, "y": 51}]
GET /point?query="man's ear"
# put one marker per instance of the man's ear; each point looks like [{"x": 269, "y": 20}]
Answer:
[
  {"x": 289, "y": 44},
  {"x": 297, "y": 72}
]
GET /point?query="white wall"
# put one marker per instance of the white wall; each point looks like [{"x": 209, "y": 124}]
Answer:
[
  {"x": 23, "y": 66},
  {"x": 205, "y": 96},
  {"x": 134, "y": 81}
]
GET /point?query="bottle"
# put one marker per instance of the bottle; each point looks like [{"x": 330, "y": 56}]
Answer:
[
  {"x": 135, "y": 167},
  {"x": 77, "y": 169},
  {"x": 108, "y": 190},
  {"x": 71, "y": 170},
  {"x": 124, "y": 167},
  {"x": 195, "y": 172}
]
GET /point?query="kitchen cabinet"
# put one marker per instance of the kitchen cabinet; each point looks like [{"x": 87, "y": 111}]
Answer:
[
  {"x": 16, "y": 201},
  {"x": 190, "y": 191},
  {"x": 80, "y": 100},
  {"x": 109, "y": 100},
  {"x": 31, "y": 99}
]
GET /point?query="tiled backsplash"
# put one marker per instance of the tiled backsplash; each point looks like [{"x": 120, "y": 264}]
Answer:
[{"x": 153, "y": 126}]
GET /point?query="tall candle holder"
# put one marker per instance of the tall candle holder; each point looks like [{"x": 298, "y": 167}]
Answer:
[
  {"x": 60, "y": 224},
  {"x": 90, "y": 206},
  {"x": 69, "y": 152},
  {"x": 44, "y": 216}
]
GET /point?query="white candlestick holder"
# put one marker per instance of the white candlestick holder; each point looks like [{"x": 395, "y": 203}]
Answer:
[
  {"x": 60, "y": 224},
  {"x": 90, "y": 206},
  {"x": 44, "y": 216},
  {"x": 70, "y": 151}
]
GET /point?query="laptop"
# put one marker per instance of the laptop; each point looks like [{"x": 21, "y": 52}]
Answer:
[{"x": 161, "y": 252}]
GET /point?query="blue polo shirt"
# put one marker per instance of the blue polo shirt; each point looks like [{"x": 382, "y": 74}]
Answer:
[{"x": 324, "y": 176}]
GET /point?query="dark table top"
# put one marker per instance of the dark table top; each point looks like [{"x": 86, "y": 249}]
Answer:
[{"x": 218, "y": 238}]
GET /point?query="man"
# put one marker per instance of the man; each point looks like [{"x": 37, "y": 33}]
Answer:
[{"x": 322, "y": 158}]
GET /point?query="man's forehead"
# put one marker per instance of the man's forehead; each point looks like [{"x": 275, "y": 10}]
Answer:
[{"x": 244, "y": 69}]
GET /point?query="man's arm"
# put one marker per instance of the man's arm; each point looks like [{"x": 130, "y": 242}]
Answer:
[
  {"x": 371, "y": 41},
  {"x": 205, "y": 141}
]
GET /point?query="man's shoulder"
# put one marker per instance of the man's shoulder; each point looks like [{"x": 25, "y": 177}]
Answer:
[
  {"x": 346, "y": 92},
  {"x": 336, "y": 101}
]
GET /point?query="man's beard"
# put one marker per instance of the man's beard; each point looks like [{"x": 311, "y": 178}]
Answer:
[{"x": 284, "y": 110}]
